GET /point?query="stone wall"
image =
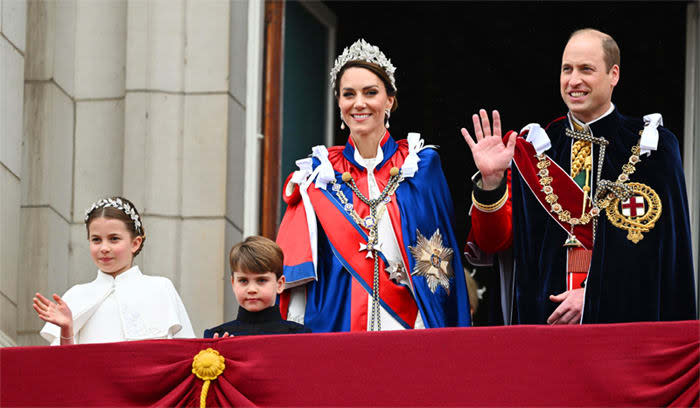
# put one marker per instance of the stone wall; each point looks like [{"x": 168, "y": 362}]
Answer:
[
  {"x": 145, "y": 99},
  {"x": 13, "y": 19}
]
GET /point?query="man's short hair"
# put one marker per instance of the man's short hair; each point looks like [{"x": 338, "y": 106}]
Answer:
[
  {"x": 256, "y": 254},
  {"x": 611, "y": 52}
]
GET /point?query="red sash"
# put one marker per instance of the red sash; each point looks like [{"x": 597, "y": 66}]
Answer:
[
  {"x": 570, "y": 194},
  {"x": 345, "y": 236}
]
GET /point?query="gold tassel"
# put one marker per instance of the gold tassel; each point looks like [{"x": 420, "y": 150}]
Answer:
[{"x": 207, "y": 365}]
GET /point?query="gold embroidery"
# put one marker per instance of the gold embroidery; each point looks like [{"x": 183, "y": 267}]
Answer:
[{"x": 490, "y": 207}]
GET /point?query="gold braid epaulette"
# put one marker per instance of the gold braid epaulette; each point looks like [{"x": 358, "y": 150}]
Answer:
[{"x": 490, "y": 207}]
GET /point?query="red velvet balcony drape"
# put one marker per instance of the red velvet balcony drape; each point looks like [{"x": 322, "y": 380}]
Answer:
[{"x": 639, "y": 364}]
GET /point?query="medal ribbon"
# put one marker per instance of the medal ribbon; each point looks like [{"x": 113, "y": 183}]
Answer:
[{"x": 345, "y": 236}]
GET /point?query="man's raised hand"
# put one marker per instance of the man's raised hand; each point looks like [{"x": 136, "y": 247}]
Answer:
[{"x": 491, "y": 156}]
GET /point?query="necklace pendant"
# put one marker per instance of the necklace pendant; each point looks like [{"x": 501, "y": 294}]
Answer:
[
  {"x": 366, "y": 247},
  {"x": 572, "y": 242},
  {"x": 370, "y": 248}
]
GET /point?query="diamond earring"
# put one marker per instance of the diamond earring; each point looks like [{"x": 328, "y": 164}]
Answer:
[
  {"x": 342, "y": 122},
  {"x": 387, "y": 114}
]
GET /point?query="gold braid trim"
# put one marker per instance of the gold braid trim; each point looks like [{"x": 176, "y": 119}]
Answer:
[
  {"x": 490, "y": 207},
  {"x": 579, "y": 153},
  {"x": 207, "y": 365}
]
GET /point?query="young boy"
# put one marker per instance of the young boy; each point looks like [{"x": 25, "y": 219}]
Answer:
[{"x": 256, "y": 280}]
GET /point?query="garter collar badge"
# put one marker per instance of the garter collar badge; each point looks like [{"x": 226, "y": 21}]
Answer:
[
  {"x": 638, "y": 213},
  {"x": 433, "y": 261},
  {"x": 634, "y": 207}
]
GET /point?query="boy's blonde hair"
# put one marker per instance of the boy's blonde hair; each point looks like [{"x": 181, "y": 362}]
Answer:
[{"x": 256, "y": 254}]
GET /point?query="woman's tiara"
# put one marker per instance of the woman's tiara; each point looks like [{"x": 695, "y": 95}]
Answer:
[{"x": 361, "y": 50}]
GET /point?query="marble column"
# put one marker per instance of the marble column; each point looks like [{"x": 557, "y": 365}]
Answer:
[{"x": 13, "y": 19}]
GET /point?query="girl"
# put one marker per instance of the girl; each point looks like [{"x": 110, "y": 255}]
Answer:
[{"x": 121, "y": 303}]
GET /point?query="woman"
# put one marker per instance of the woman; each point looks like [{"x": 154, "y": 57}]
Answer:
[{"x": 367, "y": 235}]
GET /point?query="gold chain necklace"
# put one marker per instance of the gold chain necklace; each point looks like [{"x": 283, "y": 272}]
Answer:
[
  {"x": 599, "y": 204},
  {"x": 377, "y": 207}
]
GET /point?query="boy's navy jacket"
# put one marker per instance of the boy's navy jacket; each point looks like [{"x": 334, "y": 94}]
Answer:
[{"x": 267, "y": 321}]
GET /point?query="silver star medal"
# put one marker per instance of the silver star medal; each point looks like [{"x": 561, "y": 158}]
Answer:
[
  {"x": 433, "y": 261},
  {"x": 397, "y": 272}
]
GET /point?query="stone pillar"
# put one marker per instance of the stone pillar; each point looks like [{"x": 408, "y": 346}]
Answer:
[
  {"x": 176, "y": 144},
  {"x": 73, "y": 141},
  {"x": 238, "y": 68},
  {"x": 13, "y": 19}
]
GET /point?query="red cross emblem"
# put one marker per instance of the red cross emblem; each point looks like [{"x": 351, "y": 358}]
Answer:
[{"x": 633, "y": 207}]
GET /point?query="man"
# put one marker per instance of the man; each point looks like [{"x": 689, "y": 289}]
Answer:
[{"x": 594, "y": 214}]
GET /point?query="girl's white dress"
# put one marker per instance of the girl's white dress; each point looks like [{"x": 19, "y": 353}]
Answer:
[{"x": 132, "y": 306}]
